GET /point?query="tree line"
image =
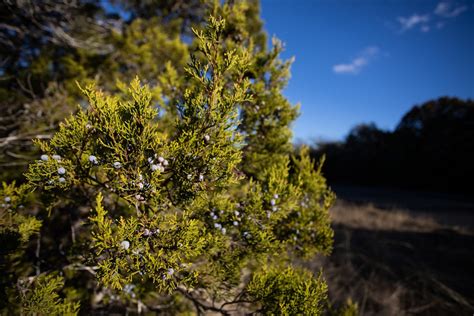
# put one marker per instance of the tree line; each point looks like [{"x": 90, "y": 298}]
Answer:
[{"x": 432, "y": 148}]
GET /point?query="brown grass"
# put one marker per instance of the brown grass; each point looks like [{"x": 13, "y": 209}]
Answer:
[
  {"x": 370, "y": 217},
  {"x": 392, "y": 262}
]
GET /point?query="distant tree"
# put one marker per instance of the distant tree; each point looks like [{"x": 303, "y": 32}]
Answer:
[
  {"x": 360, "y": 158},
  {"x": 439, "y": 137},
  {"x": 187, "y": 12},
  {"x": 431, "y": 148}
]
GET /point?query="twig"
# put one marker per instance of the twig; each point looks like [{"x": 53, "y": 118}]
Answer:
[
  {"x": 6, "y": 140},
  {"x": 37, "y": 253}
]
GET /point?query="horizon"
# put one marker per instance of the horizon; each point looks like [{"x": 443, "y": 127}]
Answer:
[{"x": 363, "y": 62}]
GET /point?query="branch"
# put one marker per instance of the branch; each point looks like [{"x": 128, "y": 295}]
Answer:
[
  {"x": 6, "y": 140},
  {"x": 200, "y": 305},
  {"x": 81, "y": 267}
]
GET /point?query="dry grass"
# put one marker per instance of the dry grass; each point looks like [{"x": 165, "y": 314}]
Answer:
[
  {"x": 370, "y": 217},
  {"x": 392, "y": 262}
]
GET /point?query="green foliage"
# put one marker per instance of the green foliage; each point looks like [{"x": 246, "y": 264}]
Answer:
[
  {"x": 43, "y": 92},
  {"x": 129, "y": 255},
  {"x": 179, "y": 190},
  {"x": 349, "y": 309},
  {"x": 12, "y": 221},
  {"x": 287, "y": 291},
  {"x": 40, "y": 297}
]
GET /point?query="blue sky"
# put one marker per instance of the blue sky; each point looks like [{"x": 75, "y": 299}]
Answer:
[{"x": 371, "y": 61}]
